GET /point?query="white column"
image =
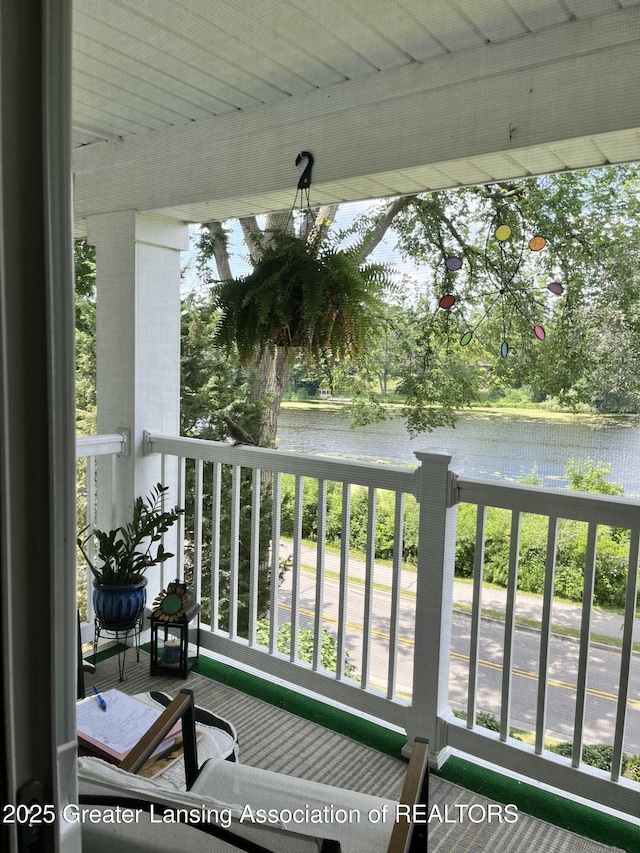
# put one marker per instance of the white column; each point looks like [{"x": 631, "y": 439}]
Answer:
[
  {"x": 434, "y": 602},
  {"x": 138, "y": 346}
]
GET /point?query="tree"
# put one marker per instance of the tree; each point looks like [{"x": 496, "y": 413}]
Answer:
[
  {"x": 591, "y": 225},
  {"x": 213, "y": 381},
  {"x": 304, "y": 297},
  {"x": 85, "y": 341},
  {"x": 85, "y": 309},
  {"x": 592, "y": 230}
]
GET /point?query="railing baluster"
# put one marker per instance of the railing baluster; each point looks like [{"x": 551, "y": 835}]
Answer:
[
  {"x": 509, "y": 625},
  {"x": 625, "y": 655},
  {"x": 320, "y": 553},
  {"x": 182, "y": 488},
  {"x": 216, "y": 484},
  {"x": 295, "y": 571},
  {"x": 255, "y": 555},
  {"x": 396, "y": 587},
  {"x": 89, "y": 448},
  {"x": 274, "y": 621},
  {"x": 234, "y": 552},
  {"x": 113, "y": 499},
  {"x": 345, "y": 530},
  {"x": 90, "y": 512},
  {"x": 368, "y": 587},
  {"x": 585, "y": 641},
  {"x": 91, "y": 522},
  {"x": 197, "y": 532},
  {"x": 545, "y": 634},
  {"x": 476, "y": 615},
  {"x": 163, "y": 507}
]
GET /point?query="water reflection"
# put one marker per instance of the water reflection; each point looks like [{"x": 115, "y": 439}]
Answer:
[{"x": 484, "y": 444}]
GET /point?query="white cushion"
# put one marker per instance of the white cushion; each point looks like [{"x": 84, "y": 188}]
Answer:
[
  {"x": 214, "y": 742},
  {"x": 347, "y": 816},
  {"x": 146, "y": 837},
  {"x": 97, "y": 777}
]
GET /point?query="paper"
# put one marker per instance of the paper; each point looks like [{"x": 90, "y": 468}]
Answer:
[{"x": 118, "y": 729}]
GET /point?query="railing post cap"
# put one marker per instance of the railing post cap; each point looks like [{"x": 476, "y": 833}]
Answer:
[{"x": 433, "y": 457}]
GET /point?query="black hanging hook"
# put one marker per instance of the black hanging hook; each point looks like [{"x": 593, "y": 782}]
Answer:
[{"x": 305, "y": 178}]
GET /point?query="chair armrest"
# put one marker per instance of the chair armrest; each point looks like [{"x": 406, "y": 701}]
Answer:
[
  {"x": 182, "y": 707},
  {"x": 407, "y": 836}
]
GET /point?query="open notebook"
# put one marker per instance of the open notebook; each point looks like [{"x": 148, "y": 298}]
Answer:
[{"x": 112, "y": 733}]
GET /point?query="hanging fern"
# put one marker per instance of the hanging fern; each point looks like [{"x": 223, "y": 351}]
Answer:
[{"x": 317, "y": 300}]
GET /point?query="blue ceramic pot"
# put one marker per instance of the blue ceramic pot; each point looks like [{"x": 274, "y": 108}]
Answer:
[{"x": 118, "y": 607}]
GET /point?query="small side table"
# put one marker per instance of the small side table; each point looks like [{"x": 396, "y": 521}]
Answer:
[{"x": 175, "y": 646}]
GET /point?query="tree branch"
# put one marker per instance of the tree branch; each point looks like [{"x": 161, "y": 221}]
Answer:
[
  {"x": 502, "y": 194},
  {"x": 324, "y": 217},
  {"x": 219, "y": 248},
  {"x": 382, "y": 225},
  {"x": 250, "y": 229},
  {"x": 280, "y": 220}
]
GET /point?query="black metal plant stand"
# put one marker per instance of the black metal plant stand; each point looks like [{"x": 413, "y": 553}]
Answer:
[{"x": 122, "y": 637}]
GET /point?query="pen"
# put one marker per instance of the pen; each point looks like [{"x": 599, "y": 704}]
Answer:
[{"x": 100, "y": 698}]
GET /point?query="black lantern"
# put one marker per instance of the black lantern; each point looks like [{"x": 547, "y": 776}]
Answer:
[{"x": 175, "y": 632}]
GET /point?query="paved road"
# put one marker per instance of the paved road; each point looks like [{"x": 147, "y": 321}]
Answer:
[
  {"x": 604, "y": 663},
  {"x": 529, "y": 606}
]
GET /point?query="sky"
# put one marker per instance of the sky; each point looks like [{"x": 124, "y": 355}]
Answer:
[{"x": 385, "y": 252}]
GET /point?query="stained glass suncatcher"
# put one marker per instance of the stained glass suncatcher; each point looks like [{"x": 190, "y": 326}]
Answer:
[{"x": 505, "y": 249}]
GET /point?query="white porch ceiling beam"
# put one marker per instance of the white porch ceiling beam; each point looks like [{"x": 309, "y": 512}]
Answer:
[{"x": 575, "y": 82}]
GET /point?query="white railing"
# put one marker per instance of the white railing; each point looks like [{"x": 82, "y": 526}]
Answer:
[
  {"x": 400, "y": 641},
  {"x": 556, "y": 507},
  {"x": 230, "y": 569},
  {"x": 88, "y": 449}
]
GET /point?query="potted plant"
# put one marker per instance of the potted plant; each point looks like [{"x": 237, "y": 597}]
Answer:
[
  {"x": 303, "y": 295},
  {"x": 124, "y": 555}
]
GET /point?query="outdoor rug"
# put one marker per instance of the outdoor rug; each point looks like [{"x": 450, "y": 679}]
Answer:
[{"x": 461, "y": 821}]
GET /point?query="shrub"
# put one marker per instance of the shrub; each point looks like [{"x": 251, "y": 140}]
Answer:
[
  {"x": 611, "y": 564},
  {"x": 328, "y": 654},
  {"x": 465, "y": 540},
  {"x": 585, "y": 475},
  {"x": 633, "y": 768},
  {"x": 385, "y": 517},
  {"x": 569, "y": 582},
  {"x": 611, "y": 572},
  {"x": 611, "y": 557},
  {"x": 487, "y": 721},
  {"x": 597, "y": 755}
]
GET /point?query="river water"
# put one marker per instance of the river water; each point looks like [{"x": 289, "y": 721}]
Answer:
[{"x": 483, "y": 444}]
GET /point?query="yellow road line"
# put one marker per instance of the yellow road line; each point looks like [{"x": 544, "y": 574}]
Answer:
[{"x": 522, "y": 673}]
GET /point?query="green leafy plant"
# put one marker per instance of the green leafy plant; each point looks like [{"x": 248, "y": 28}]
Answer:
[
  {"x": 598, "y": 755},
  {"x": 328, "y": 652},
  {"x": 304, "y": 296},
  {"x": 586, "y": 475},
  {"x": 125, "y": 553},
  {"x": 633, "y": 768}
]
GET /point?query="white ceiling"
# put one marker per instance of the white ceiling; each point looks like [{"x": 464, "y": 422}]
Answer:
[{"x": 197, "y": 108}]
